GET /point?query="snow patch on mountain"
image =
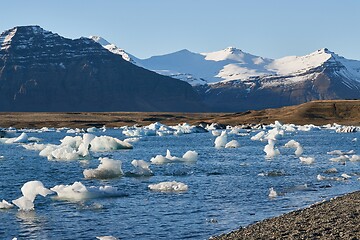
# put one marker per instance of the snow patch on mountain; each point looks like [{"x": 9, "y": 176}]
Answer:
[
  {"x": 114, "y": 49},
  {"x": 5, "y": 38}
]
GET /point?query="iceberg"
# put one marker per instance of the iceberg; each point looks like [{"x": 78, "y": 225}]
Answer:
[
  {"x": 78, "y": 192},
  {"x": 270, "y": 149},
  {"x": 30, "y": 190},
  {"x": 232, "y": 144},
  {"x": 188, "y": 157},
  {"x": 108, "y": 168},
  {"x": 142, "y": 168},
  {"x": 169, "y": 187},
  {"x": 221, "y": 140}
]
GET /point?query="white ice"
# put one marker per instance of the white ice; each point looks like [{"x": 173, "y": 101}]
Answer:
[
  {"x": 169, "y": 187},
  {"x": 221, "y": 140},
  {"x": 142, "y": 168},
  {"x": 30, "y": 190},
  {"x": 106, "y": 143},
  {"x": 5, "y": 205},
  {"x": 259, "y": 136},
  {"x": 108, "y": 168},
  {"x": 188, "y": 157},
  {"x": 232, "y": 144},
  {"x": 270, "y": 149},
  {"x": 272, "y": 193},
  {"x": 307, "y": 160},
  {"x": 298, "y": 148},
  {"x": 78, "y": 192}
]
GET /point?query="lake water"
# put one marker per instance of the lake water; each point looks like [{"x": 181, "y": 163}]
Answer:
[{"x": 227, "y": 188}]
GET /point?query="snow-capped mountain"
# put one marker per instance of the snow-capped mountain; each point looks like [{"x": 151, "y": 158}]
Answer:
[
  {"x": 114, "y": 49},
  {"x": 233, "y": 80},
  {"x": 43, "y": 71}
]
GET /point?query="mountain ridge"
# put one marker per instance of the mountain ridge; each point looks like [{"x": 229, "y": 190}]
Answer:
[{"x": 42, "y": 71}]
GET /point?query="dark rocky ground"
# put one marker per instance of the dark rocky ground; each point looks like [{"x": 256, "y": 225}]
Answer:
[{"x": 338, "y": 218}]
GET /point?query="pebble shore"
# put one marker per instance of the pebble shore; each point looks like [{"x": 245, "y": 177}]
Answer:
[{"x": 338, "y": 218}]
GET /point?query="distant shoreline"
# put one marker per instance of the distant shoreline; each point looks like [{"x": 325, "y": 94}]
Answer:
[
  {"x": 338, "y": 218},
  {"x": 346, "y": 112}
]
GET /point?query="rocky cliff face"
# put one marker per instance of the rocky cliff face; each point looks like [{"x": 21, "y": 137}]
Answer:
[{"x": 42, "y": 71}]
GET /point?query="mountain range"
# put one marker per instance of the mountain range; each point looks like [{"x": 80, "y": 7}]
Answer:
[
  {"x": 233, "y": 80},
  {"x": 43, "y": 71}
]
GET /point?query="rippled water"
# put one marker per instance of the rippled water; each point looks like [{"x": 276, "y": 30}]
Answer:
[{"x": 225, "y": 188}]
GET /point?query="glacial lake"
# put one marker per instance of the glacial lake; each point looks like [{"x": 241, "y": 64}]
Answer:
[{"x": 227, "y": 187}]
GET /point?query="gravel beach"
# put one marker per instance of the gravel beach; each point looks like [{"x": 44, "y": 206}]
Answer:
[{"x": 338, "y": 218}]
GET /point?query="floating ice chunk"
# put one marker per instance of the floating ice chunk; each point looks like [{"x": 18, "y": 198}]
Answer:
[
  {"x": 275, "y": 134},
  {"x": 216, "y": 133},
  {"x": 106, "y": 143},
  {"x": 320, "y": 177},
  {"x": 307, "y": 160},
  {"x": 189, "y": 156},
  {"x": 294, "y": 144},
  {"x": 32, "y": 188},
  {"x": 339, "y": 152},
  {"x": 331, "y": 170},
  {"x": 84, "y": 146},
  {"x": 342, "y": 158},
  {"x": 355, "y": 158},
  {"x": 221, "y": 140},
  {"x": 346, "y": 129},
  {"x": 107, "y": 238},
  {"x": 23, "y": 138},
  {"x": 5, "y": 205},
  {"x": 270, "y": 149},
  {"x": 63, "y": 153},
  {"x": 259, "y": 136},
  {"x": 24, "y": 204},
  {"x": 345, "y": 176},
  {"x": 34, "y": 146},
  {"x": 323, "y": 178},
  {"x": 78, "y": 192},
  {"x": 108, "y": 168},
  {"x": 232, "y": 144},
  {"x": 142, "y": 168},
  {"x": 354, "y": 140},
  {"x": 169, "y": 187},
  {"x": 272, "y": 193}
]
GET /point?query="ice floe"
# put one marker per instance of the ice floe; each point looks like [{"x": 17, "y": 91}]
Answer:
[
  {"x": 232, "y": 144},
  {"x": 30, "y": 190},
  {"x": 307, "y": 160},
  {"x": 5, "y": 205},
  {"x": 188, "y": 157},
  {"x": 78, "y": 192},
  {"x": 272, "y": 193},
  {"x": 270, "y": 149},
  {"x": 108, "y": 168},
  {"x": 298, "y": 148},
  {"x": 169, "y": 187},
  {"x": 142, "y": 168},
  {"x": 78, "y": 147}
]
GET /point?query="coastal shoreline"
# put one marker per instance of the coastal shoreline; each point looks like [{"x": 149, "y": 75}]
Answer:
[
  {"x": 345, "y": 112},
  {"x": 337, "y": 218}
]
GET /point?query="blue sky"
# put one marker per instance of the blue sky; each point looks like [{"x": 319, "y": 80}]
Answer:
[{"x": 269, "y": 28}]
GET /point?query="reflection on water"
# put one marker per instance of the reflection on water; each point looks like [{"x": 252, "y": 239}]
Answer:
[{"x": 31, "y": 225}]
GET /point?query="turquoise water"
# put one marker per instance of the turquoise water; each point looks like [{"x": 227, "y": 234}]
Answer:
[{"x": 228, "y": 188}]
